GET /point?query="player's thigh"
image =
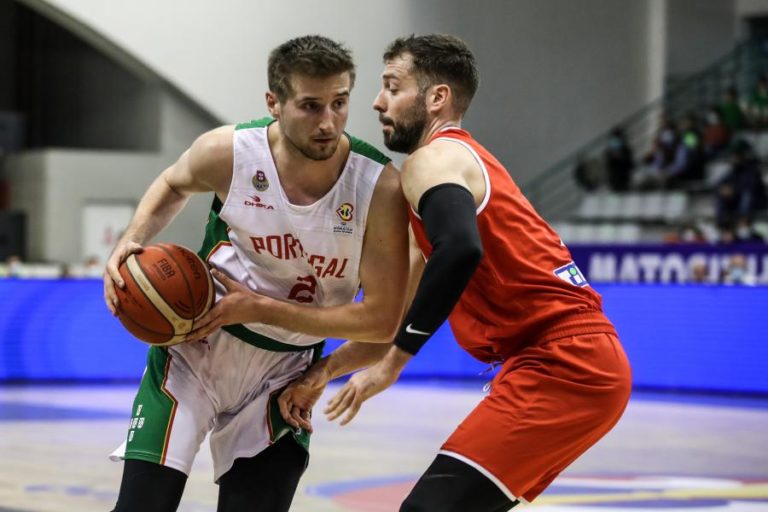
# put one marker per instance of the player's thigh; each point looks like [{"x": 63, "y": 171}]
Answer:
[
  {"x": 171, "y": 412},
  {"x": 544, "y": 410}
]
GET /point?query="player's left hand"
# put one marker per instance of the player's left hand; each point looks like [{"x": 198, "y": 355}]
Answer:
[
  {"x": 232, "y": 308},
  {"x": 296, "y": 401},
  {"x": 365, "y": 384}
]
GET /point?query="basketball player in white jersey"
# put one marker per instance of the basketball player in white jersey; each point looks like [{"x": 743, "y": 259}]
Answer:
[{"x": 303, "y": 214}]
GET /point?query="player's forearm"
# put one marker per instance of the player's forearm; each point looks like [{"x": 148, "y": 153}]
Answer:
[
  {"x": 350, "y": 357},
  {"x": 157, "y": 208},
  {"x": 365, "y": 322}
]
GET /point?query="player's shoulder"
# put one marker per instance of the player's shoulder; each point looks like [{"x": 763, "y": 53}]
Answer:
[
  {"x": 438, "y": 156},
  {"x": 366, "y": 150},
  {"x": 213, "y": 147}
]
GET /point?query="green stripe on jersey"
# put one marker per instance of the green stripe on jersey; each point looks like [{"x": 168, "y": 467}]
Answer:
[
  {"x": 153, "y": 411},
  {"x": 363, "y": 148},
  {"x": 256, "y": 123},
  {"x": 216, "y": 231}
]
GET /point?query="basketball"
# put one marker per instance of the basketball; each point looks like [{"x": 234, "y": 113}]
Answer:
[{"x": 167, "y": 289}]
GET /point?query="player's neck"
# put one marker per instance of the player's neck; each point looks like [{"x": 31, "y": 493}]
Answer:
[
  {"x": 303, "y": 179},
  {"x": 436, "y": 126}
]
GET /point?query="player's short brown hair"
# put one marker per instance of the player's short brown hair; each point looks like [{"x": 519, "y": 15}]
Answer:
[
  {"x": 314, "y": 56},
  {"x": 440, "y": 59}
]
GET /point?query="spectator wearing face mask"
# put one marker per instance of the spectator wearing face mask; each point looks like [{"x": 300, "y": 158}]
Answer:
[
  {"x": 619, "y": 161},
  {"x": 660, "y": 157},
  {"x": 737, "y": 272}
]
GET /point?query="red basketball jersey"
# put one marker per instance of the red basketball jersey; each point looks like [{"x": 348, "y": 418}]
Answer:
[{"x": 527, "y": 287}]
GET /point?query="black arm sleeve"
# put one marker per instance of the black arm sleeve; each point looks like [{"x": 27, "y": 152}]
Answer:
[{"x": 448, "y": 214}]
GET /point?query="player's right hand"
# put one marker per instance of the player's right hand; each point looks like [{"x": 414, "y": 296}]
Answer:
[{"x": 112, "y": 276}]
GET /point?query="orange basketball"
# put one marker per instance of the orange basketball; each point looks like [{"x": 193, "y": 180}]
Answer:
[{"x": 167, "y": 289}]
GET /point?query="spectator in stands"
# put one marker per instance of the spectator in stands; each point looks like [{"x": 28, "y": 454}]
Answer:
[
  {"x": 93, "y": 267},
  {"x": 585, "y": 176},
  {"x": 726, "y": 234},
  {"x": 716, "y": 135},
  {"x": 732, "y": 111},
  {"x": 12, "y": 267},
  {"x": 660, "y": 157},
  {"x": 691, "y": 233},
  {"x": 699, "y": 273},
  {"x": 741, "y": 192},
  {"x": 758, "y": 105},
  {"x": 688, "y": 164},
  {"x": 619, "y": 161},
  {"x": 737, "y": 273},
  {"x": 746, "y": 232}
]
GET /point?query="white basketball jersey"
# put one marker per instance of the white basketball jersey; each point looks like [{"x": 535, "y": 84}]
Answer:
[{"x": 308, "y": 254}]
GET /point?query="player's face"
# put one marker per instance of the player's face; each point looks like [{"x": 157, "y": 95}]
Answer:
[
  {"x": 401, "y": 106},
  {"x": 312, "y": 120}
]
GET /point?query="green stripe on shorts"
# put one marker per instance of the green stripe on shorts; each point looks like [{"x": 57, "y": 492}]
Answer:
[
  {"x": 153, "y": 411},
  {"x": 277, "y": 425}
]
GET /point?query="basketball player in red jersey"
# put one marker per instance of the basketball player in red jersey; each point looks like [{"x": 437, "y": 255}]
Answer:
[{"x": 509, "y": 288}]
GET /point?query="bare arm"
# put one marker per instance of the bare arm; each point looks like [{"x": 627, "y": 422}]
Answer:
[
  {"x": 202, "y": 168},
  {"x": 383, "y": 274},
  {"x": 299, "y": 398}
]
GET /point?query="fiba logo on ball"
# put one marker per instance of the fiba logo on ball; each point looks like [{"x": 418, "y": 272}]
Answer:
[
  {"x": 167, "y": 290},
  {"x": 260, "y": 181}
]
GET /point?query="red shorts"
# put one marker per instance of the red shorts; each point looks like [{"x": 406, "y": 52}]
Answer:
[{"x": 547, "y": 406}]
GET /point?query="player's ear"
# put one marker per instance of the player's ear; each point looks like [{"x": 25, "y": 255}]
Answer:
[
  {"x": 273, "y": 104},
  {"x": 438, "y": 97}
]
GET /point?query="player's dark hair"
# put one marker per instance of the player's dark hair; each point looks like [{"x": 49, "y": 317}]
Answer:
[
  {"x": 313, "y": 56},
  {"x": 440, "y": 59}
]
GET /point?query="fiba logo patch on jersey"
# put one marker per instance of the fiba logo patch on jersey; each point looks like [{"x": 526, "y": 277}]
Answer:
[
  {"x": 260, "y": 181},
  {"x": 570, "y": 273},
  {"x": 345, "y": 211}
]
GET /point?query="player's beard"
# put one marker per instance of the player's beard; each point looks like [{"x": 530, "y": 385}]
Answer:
[
  {"x": 317, "y": 153},
  {"x": 406, "y": 133}
]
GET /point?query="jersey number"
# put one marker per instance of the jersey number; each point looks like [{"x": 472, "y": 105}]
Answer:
[{"x": 304, "y": 290}]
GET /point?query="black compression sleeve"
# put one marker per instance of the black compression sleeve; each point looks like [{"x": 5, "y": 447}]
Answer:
[{"x": 448, "y": 214}]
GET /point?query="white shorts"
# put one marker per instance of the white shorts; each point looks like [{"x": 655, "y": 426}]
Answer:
[{"x": 220, "y": 385}]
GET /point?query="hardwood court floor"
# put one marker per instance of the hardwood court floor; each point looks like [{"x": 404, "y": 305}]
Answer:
[{"x": 667, "y": 453}]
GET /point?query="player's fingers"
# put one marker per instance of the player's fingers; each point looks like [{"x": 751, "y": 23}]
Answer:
[
  {"x": 205, "y": 326},
  {"x": 353, "y": 409},
  {"x": 283, "y": 402},
  {"x": 110, "y": 297},
  {"x": 132, "y": 248},
  {"x": 333, "y": 402},
  {"x": 296, "y": 416},
  {"x": 222, "y": 278},
  {"x": 113, "y": 275},
  {"x": 342, "y": 406},
  {"x": 302, "y": 418}
]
